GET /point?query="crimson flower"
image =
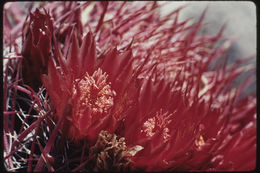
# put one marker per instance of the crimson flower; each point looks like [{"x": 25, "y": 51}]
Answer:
[
  {"x": 131, "y": 89},
  {"x": 92, "y": 89},
  {"x": 37, "y": 37}
]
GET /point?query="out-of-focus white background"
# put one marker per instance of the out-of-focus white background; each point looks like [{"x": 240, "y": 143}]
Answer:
[{"x": 240, "y": 17}]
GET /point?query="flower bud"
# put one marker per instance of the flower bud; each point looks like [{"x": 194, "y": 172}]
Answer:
[{"x": 37, "y": 37}]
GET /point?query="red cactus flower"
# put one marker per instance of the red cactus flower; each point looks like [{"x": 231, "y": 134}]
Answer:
[
  {"x": 92, "y": 89},
  {"x": 133, "y": 90},
  {"x": 37, "y": 37}
]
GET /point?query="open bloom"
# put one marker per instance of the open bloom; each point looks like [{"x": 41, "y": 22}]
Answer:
[
  {"x": 95, "y": 91},
  {"x": 138, "y": 88}
]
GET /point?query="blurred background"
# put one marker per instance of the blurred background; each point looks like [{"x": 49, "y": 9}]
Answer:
[{"x": 240, "y": 17}]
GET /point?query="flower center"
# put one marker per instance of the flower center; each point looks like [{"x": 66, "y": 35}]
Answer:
[
  {"x": 200, "y": 142},
  {"x": 92, "y": 94},
  {"x": 157, "y": 124}
]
